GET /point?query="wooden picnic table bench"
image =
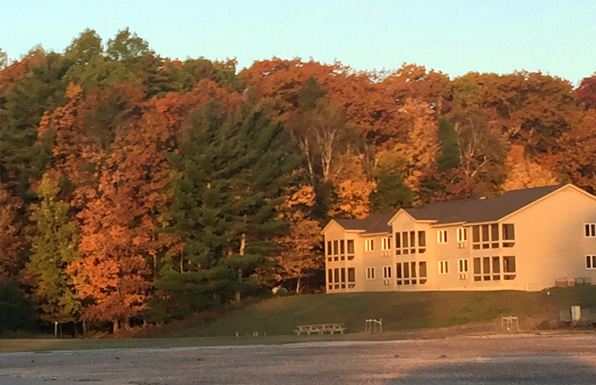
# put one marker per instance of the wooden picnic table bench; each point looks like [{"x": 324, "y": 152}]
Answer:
[{"x": 320, "y": 328}]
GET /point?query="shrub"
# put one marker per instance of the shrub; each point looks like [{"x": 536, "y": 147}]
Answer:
[{"x": 16, "y": 312}]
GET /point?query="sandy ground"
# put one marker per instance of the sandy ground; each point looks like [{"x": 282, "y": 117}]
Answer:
[{"x": 513, "y": 359}]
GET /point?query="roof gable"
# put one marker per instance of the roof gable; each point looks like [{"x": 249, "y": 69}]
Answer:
[{"x": 376, "y": 223}]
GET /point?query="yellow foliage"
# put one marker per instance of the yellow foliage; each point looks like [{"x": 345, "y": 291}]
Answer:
[{"x": 524, "y": 173}]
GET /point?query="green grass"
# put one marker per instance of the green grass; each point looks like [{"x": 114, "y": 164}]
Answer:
[
  {"x": 399, "y": 311},
  {"x": 414, "y": 312}
]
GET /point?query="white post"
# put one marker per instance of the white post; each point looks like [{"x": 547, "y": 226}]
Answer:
[{"x": 55, "y": 329}]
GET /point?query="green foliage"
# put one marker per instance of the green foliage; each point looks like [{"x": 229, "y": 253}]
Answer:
[
  {"x": 53, "y": 246},
  {"x": 3, "y": 59},
  {"x": 23, "y": 103},
  {"x": 309, "y": 94},
  {"x": 450, "y": 156},
  {"x": 232, "y": 168},
  {"x": 391, "y": 195},
  {"x": 16, "y": 313}
]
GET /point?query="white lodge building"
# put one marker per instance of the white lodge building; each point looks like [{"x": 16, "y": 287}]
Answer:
[{"x": 521, "y": 240}]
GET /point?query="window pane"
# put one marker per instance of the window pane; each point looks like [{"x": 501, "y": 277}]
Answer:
[
  {"x": 388, "y": 243},
  {"x": 486, "y": 265},
  {"x": 422, "y": 238},
  {"x": 405, "y": 238},
  {"x": 509, "y": 264},
  {"x": 413, "y": 267},
  {"x": 484, "y": 233},
  {"x": 330, "y": 276},
  {"x": 398, "y": 270},
  {"x": 351, "y": 274},
  {"x": 476, "y": 265},
  {"x": 335, "y": 247},
  {"x": 587, "y": 229},
  {"x": 342, "y": 247},
  {"x": 412, "y": 239},
  {"x": 397, "y": 240},
  {"x": 476, "y": 234},
  {"x": 336, "y": 275},
  {"x": 496, "y": 265},
  {"x": 343, "y": 275},
  {"x": 508, "y": 232},
  {"x": 350, "y": 246},
  {"x": 588, "y": 262},
  {"x": 406, "y": 271},
  {"x": 329, "y": 252},
  {"x": 422, "y": 269},
  {"x": 494, "y": 232}
]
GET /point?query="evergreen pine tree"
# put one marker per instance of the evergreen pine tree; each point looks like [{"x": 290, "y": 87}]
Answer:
[
  {"x": 230, "y": 172},
  {"x": 447, "y": 136},
  {"x": 391, "y": 195}
]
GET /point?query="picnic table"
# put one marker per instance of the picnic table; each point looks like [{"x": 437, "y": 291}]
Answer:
[{"x": 320, "y": 328}]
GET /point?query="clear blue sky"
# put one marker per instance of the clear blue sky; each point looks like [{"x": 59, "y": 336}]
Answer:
[{"x": 453, "y": 36}]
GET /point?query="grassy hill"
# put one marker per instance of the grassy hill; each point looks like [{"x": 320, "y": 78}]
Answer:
[{"x": 399, "y": 311}]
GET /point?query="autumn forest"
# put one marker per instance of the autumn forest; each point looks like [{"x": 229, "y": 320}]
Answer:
[{"x": 141, "y": 189}]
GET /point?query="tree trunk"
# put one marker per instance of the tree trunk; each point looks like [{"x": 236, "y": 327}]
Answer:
[
  {"x": 116, "y": 326},
  {"x": 239, "y": 271},
  {"x": 298, "y": 288},
  {"x": 84, "y": 327}
]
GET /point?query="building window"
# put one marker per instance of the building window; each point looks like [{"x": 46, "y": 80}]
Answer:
[
  {"x": 475, "y": 237},
  {"x": 509, "y": 268},
  {"x": 508, "y": 234},
  {"x": 422, "y": 241},
  {"x": 407, "y": 274},
  {"x": 590, "y": 229},
  {"x": 462, "y": 234},
  {"x": 329, "y": 251},
  {"x": 386, "y": 272},
  {"x": 590, "y": 261},
  {"x": 386, "y": 243},
  {"x": 487, "y": 269},
  {"x": 351, "y": 274},
  {"x": 422, "y": 272},
  {"x": 443, "y": 267},
  {"x": 462, "y": 266},
  {"x": 350, "y": 246},
  {"x": 342, "y": 247},
  {"x": 370, "y": 273},
  {"x": 369, "y": 244},
  {"x": 335, "y": 247},
  {"x": 442, "y": 236},
  {"x": 494, "y": 235}
]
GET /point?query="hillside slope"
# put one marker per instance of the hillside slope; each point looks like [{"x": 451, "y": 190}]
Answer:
[{"x": 399, "y": 311}]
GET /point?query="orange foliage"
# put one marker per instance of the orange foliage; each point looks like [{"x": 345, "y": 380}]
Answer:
[{"x": 524, "y": 173}]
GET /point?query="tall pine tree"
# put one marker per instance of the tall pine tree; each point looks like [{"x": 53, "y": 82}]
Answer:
[{"x": 231, "y": 169}]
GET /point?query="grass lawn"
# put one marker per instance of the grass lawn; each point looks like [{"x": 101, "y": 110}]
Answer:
[{"x": 399, "y": 311}]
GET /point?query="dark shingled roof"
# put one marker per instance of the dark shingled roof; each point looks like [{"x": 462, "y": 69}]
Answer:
[
  {"x": 480, "y": 210},
  {"x": 376, "y": 223},
  {"x": 464, "y": 210}
]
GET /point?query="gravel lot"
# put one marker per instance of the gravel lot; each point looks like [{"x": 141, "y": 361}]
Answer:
[{"x": 513, "y": 359}]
